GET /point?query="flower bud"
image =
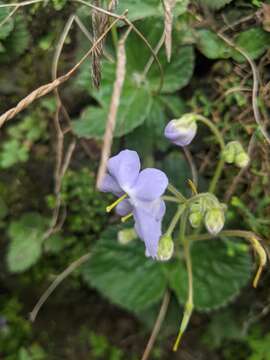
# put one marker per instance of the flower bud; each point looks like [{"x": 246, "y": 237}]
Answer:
[
  {"x": 125, "y": 236},
  {"x": 235, "y": 153},
  {"x": 214, "y": 220},
  {"x": 165, "y": 248},
  {"x": 229, "y": 152},
  {"x": 182, "y": 131},
  {"x": 242, "y": 160},
  {"x": 195, "y": 219}
]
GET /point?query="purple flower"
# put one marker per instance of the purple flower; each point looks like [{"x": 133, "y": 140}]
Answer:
[
  {"x": 182, "y": 131},
  {"x": 140, "y": 193}
]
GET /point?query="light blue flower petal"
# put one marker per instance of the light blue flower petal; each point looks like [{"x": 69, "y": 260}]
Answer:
[
  {"x": 150, "y": 185},
  {"x": 124, "y": 208},
  {"x": 148, "y": 229},
  {"x": 125, "y": 168},
  {"x": 109, "y": 184}
]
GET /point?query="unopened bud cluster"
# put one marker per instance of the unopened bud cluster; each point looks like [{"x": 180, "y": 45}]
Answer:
[
  {"x": 209, "y": 210},
  {"x": 234, "y": 153}
]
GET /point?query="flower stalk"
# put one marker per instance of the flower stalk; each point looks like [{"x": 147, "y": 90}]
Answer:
[{"x": 189, "y": 303}]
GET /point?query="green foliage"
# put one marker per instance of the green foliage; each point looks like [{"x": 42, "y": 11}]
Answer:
[
  {"x": 14, "y": 37},
  {"x": 16, "y": 330},
  {"x": 21, "y": 137},
  {"x": 220, "y": 269},
  {"x": 259, "y": 345},
  {"x": 34, "y": 352},
  {"x": 85, "y": 205},
  {"x": 254, "y": 42},
  {"x": 138, "y": 9},
  {"x": 7, "y": 26},
  {"x": 102, "y": 349},
  {"x": 211, "y": 45},
  {"x": 123, "y": 274},
  {"x": 215, "y": 4},
  {"x": 223, "y": 326},
  {"x": 138, "y": 98},
  {"x": 25, "y": 246}
]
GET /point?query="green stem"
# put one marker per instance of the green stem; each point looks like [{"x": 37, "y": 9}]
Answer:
[
  {"x": 229, "y": 233},
  {"x": 115, "y": 37},
  {"x": 175, "y": 220},
  {"x": 176, "y": 193},
  {"x": 189, "y": 302},
  {"x": 248, "y": 235},
  {"x": 217, "y": 175},
  {"x": 219, "y": 137},
  {"x": 170, "y": 199}
]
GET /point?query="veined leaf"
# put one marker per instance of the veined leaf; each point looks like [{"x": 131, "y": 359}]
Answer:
[
  {"x": 123, "y": 274},
  {"x": 25, "y": 242},
  {"x": 220, "y": 269}
]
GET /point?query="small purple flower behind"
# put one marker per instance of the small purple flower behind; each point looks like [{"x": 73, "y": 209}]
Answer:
[
  {"x": 181, "y": 131},
  {"x": 140, "y": 195}
]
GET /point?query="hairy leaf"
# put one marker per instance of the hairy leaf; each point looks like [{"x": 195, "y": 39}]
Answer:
[
  {"x": 220, "y": 269},
  {"x": 25, "y": 242},
  {"x": 123, "y": 274}
]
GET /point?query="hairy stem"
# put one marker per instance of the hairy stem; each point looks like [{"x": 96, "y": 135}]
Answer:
[{"x": 189, "y": 303}]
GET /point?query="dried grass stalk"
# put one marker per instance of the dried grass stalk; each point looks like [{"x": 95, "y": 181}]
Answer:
[
  {"x": 168, "y": 25},
  {"x": 46, "y": 89},
  {"x": 115, "y": 100}
]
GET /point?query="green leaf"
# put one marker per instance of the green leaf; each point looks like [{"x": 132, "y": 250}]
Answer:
[
  {"x": 123, "y": 274},
  {"x": 25, "y": 242},
  {"x": 8, "y": 25},
  {"x": 220, "y": 269},
  {"x": 211, "y": 46},
  {"x": 215, "y": 4},
  {"x": 141, "y": 9},
  {"x": 139, "y": 92},
  {"x": 254, "y": 42},
  {"x": 135, "y": 105},
  {"x": 17, "y": 40},
  {"x": 138, "y": 9}
]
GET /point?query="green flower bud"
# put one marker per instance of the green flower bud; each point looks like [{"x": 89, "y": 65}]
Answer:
[
  {"x": 165, "y": 248},
  {"x": 235, "y": 153},
  {"x": 242, "y": 160},
  {"x": 214, "y": 220},
  {"x": 195, "y": 219},
  {"x": 125, "y": 236},
  {"x": 230, "y": 151}
]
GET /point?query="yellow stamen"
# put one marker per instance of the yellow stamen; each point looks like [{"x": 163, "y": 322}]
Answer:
[
  {"x": 113, "y": 205},
  {"x": 192, "y": 187},
  {"x": 125, "y": 218}
]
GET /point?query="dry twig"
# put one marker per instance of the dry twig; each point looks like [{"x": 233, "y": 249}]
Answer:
[
  {"x": 73, "y": 266},
  {"x": 115, "y": 100},
  {"x": 157, "y": 326},
  {"x": 168, "y": 25}
]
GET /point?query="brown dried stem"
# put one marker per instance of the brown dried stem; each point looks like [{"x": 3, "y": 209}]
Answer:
[
  {"x": 73, "y": 266},
  {"x": 168, "y": 25},
  {"x": 157, "y": 326},
  {"x": 255, "y": 90},
  {"x": 46, "y": 89},
  {"x": 115, "y": 100}
]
